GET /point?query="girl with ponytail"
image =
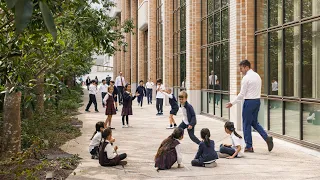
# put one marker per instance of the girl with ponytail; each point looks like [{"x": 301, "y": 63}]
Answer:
[
  {"x": 96, "y": 139},
  {"x": 235, "y": 149},
  {"x": 169, "y": 151},
  {"x": 206, "y": 155}
]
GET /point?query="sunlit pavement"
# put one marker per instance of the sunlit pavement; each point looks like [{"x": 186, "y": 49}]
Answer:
[{"x": 286, "y": 161}]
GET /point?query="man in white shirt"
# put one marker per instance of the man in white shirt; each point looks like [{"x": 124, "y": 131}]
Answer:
[
  {"x": 274, "y": 86},
  {"x": 149, "y": 86},
  {"x": 159, "y": 97},
  {"x": 92, "y": 96},
  {"x": 120, "y": 83},
  {"x": 250, "y": 92},
  {"x": 103, "y": 89}
]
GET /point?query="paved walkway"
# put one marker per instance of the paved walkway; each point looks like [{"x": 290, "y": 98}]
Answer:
[{"x": 286, "y": 161}]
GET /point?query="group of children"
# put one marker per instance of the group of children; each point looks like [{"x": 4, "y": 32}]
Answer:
[{"x": 169, "y": 152}]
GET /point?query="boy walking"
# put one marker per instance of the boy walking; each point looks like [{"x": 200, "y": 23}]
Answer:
[
  {"x": 189, "y": 120},
  {"x": 142, "y": 92},
  {"x": 149, "y": 86},
  {"x": 159, "y": 97},
  {"x": 92, "y": 96},
  {"x": 103, "y": 89}
]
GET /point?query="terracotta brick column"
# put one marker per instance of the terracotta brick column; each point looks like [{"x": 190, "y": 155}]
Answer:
[
  {"x": 134, "y": 53},
  {"x": 168, "y": 43},
  {"x": 141, "y": 57},
  {"x": 152, "y": 33},
  {"x": 193, "y": 43}
]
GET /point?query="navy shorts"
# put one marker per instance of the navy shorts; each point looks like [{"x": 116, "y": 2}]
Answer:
[{"x": 174, "y": 111}]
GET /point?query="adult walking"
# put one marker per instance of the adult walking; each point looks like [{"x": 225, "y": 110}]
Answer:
[
  {"x": 88, "y": 82},
  {"x": 92, "y": 96},
  {"x": 250, "y": 92},
  {"x": 120, "y": 83},
  {"x": 149, "y": 86}
]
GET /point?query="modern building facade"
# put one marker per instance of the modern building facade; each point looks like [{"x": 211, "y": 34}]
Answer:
[{"x": 197, "y": 45}]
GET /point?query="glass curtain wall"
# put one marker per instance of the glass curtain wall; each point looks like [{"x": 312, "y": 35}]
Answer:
[
  {"x": 287, "y": 36},
  {"x": 179, "y": 45},
  {"x": 159, "y": 55},
  {"x": 215, "y": 55}
]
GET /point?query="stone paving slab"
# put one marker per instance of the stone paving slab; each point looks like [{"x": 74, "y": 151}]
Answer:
[{"x": 287, "y": 161}]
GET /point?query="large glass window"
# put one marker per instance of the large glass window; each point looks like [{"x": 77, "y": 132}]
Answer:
[
  {"x": 215, "y": 45},
  {"x": 179, "y": 43},
  {"x": 288, "y": 61},
  {"x": 159, "y": 54}
]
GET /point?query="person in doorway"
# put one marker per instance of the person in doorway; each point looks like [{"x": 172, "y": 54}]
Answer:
[
  {"x": 141, "y": 90},
  {"x": 183, "y": 84},
  {"x": 115, "y": 94},
  {"x": 120, "y": 82},
  {"x": 103, "y": 89},
  {"x": 274, "y": 87},
  {"x": 212, "y": 82},
  {"x": 92, "y": 96},
  {"x": 174, "y": 108},
  {"x": 237, "y": 147},
  {"x": 96, "y": 79},
  {"x": 110, "y": 110},
  {"x": 159, "y": 97},
  {"x": 189, "y": 120},
  {"x": 251, "y": 92},
  {"x": 149, "y": 86},
  {"x": 217, "y": 95},
  {"x": 88, "y": 82}
]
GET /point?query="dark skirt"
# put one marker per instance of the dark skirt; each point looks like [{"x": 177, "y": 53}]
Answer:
[
  {"x": 110, "y": 110},
  {"x": 126, "y": 111},
  {"x": 174, "y": 111}
]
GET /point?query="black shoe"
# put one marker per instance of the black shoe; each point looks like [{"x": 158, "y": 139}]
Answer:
[
  {"x": 112, "y": 128},
  {"x": 87, "y": 110},
  {"x": 97, "y": 111},
  {"x": 270, "y": 143},
  {"x": 158, "y": 114}
]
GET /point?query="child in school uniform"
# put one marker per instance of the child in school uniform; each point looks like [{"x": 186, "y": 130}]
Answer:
[
  {"x": 108, "y": 155},
  {"x": 169, "y": 151},
  {"x": 127, "y": 105},
  {"x": 142, "y": 92},
  {"x": 235, "y": 149},
  {"x": 115, "y": 94},
  {"x": 95, "y": 140},
  {"x": 206, "y": 154},
  {"x": 189, "y": 120},
  {"x": 159, "y": 97},
  {"x": 174, "y": 108},
  {"x": 109, "y": 102}
]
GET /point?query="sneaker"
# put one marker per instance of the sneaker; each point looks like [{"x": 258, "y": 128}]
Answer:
[
  {"x": 248, "y": 150},
  {"x": 170, "y": 127},
  {"x": 124, "y": 126},
  {"x": 123, "y": 163},
  {"x": 211, "y": 165},
  {"x": 270, "y": 143}
]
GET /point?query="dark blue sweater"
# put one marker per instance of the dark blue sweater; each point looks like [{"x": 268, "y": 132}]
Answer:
[
  {"x": 206, "y": 153},
  {"x": 190, "y": 114},
  {"x": 141, "y": 90}
]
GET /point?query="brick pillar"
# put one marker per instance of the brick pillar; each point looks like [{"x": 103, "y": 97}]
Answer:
[
  {"x": 168, "y": 43},
  {"x": 141, "y": 56},
  {"x": 152, "y": 38},
  {"x": 193, "y": 43},
  {"x": 134, "y": 55}
]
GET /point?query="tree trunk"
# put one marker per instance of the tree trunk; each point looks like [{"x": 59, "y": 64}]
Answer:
[
  {"x": 39, "y": 91},
  {"x": 11, "y": 134},
  {"x": 70, "y": 83}
]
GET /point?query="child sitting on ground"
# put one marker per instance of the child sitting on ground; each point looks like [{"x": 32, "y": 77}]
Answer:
[
  {"x": 95, "y": 140},
  {"x": 169, "y": 151},
  {"x": 108, "y": 155},
  {"x": 206, "y": 154},
  {"x": 237, "y": 147}
]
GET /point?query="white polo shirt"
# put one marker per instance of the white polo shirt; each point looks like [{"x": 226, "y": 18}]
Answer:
[
  {"x": 103, "y": 88},
  {"x": 149, "y": 85},
  {"x": 237, "y": 142},
  {"x": 160, "y": 95}
]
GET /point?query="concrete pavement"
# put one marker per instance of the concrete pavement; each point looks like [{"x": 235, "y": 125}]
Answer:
[{"x": 287, "y": 161}]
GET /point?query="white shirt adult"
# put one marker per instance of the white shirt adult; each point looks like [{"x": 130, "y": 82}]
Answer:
[
  {"x": 212, "y": 79},
  {"x": 160, "y": 95},
  {"x": 93, "y": 89},
  {"x": 103, "y": 88},
  {"x": 119, "y": 82},
  {"x": 149, "y": 85},
  {"x": 250, "y": 87},
  {"x": 275, "y": 86}
]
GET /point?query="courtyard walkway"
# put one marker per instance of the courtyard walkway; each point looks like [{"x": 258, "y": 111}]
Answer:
[{"x": 287, "y": 161}]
